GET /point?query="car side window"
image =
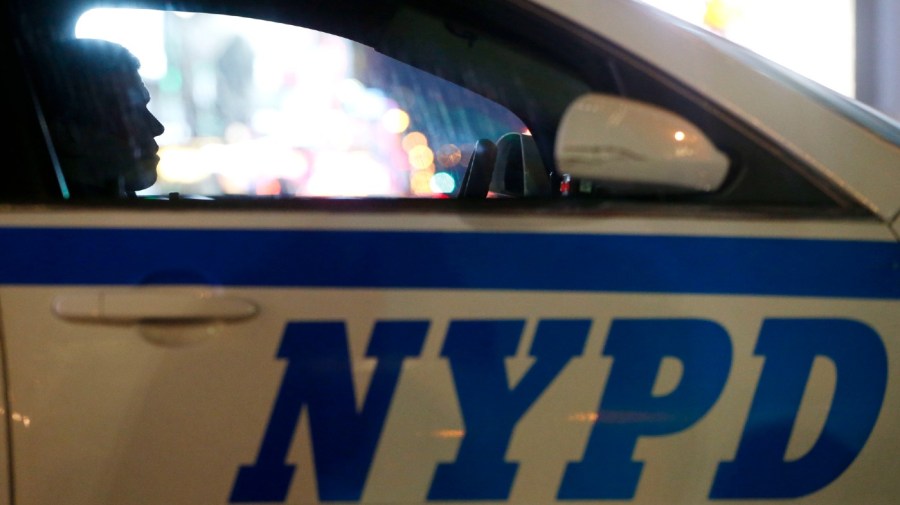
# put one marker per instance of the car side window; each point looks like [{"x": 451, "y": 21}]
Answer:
[
  {"x": 437, "y": 104},
  {"x": 257, "y": 108}
]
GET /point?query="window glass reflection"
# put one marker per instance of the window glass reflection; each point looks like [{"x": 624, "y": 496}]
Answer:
[{"x": 259, "y": 108}]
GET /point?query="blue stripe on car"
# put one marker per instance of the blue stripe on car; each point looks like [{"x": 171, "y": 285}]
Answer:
[{"x": 452, "y": 260}]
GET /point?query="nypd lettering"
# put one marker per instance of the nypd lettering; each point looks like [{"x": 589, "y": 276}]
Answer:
[
  {"x": 318, "y": 379},
  {"x": 789, "y": 347}
]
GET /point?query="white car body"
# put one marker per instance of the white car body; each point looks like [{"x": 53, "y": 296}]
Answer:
[{"x": 840, "y": 149}]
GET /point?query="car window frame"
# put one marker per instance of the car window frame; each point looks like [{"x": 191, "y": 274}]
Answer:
[{"x": 845, "y": 204}]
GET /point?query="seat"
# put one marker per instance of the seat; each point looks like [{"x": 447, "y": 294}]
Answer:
[
  {"x": 477, "y": 179},
  {"x": 519, "y": 170}
]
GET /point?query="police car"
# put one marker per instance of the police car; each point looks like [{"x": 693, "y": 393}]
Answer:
[{"x": 636, "y": 264}]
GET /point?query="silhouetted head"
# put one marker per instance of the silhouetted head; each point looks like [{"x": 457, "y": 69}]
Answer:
[{"x": 95, "y": 106}]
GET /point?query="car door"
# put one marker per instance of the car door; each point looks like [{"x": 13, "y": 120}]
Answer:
[{"x": 198, "y": 346}]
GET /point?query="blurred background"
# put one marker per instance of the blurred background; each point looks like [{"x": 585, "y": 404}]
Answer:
[
  {"x": 851, "y": 46},
  {"x": 264, "y": 109}
]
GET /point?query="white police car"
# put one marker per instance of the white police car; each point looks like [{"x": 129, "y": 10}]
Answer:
[{"x": 671, "y": 274}]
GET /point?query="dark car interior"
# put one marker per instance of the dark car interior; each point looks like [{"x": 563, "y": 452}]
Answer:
[{"x": 497, "y": 49}]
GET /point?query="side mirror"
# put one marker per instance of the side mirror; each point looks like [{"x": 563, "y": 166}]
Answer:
[{"x": 627, "y": 146}]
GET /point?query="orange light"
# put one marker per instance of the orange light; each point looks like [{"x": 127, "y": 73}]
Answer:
[
  {"x": 448, "y": 155},
  {"x": 420, "y": 182},
  {"x": 584, "y": 417},
  {"x": 449, "y": 433},
  {"x": 421, "y": 157},
  {"x": 269, "y": 188},
  {"x": 414, "y": 139},
  {"x": 720, "y": 14}
]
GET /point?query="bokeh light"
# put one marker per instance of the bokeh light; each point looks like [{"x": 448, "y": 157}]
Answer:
[
  {"x": 395, "y": 120},
  {"x": 421, "y": 157},
  {"x": 414, "y": 139},
  {"x": 448, "y": 155},
  {"x": 442, "y": 183}
]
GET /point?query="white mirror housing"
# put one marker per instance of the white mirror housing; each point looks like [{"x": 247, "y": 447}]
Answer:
[{"x": 619, "y": 143}]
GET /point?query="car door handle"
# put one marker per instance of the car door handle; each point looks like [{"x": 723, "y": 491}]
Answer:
[{"x": 144, "y": 305}]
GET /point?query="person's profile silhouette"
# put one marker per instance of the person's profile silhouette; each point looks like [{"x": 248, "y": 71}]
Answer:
[{"x": 95, "y": 107}]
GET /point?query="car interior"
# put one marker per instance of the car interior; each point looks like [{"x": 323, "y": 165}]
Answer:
[{"x": 499, "y": 50}]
